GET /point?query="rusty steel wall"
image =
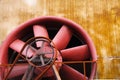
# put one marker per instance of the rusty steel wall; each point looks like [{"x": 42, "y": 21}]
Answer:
[{"x": 100, "y": 18}]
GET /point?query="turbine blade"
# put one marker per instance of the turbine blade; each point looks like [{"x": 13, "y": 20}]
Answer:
[
  {"x": 18, "y": 70},
  {"x": 40, "y": 31},
  {"x": 17, "y": 45},
  {"x": 68, "y": 73},
  {"x": 78, "y": 53},
  {"x": 62, "y": 38}
]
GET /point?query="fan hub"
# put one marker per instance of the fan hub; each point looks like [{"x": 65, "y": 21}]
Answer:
[{"x": 43, "y": 54}]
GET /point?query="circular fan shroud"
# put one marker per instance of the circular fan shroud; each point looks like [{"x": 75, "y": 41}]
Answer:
[{"x": 51, "y": 23}]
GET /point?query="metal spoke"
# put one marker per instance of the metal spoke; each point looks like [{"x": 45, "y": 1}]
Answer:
[
  {"x": 32, "y": 58},
  {"x": 56, "y": 72},
  {"x": 29, "y": 73},
  {"x": 42, "y": 60}
]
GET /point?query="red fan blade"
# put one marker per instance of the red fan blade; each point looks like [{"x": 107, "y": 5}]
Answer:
[
  {"x": 40, "y": 31},
  {"x": 68, "y": 73},
  {"x": 17, "y": 45},
  {"x": 78, "y": 53},
  {"x": 18, "y": 70},
  {"x": 62, "y": 38}
]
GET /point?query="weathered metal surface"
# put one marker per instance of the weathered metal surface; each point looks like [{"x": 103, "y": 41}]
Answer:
[{"x": 100, "y": 18}]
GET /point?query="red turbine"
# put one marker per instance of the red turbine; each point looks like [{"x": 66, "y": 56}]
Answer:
[{"x": 49, "y": 48}]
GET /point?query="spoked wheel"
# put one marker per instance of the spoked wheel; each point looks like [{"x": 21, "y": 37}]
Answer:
[{"x": 48, "y": 48}]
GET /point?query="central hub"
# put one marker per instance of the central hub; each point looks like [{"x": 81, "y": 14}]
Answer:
[{"x": 41, "y": 52}]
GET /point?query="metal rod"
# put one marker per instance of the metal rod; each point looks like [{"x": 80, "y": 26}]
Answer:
[
  {"x": 72, "y": 62},
  {"x": 29, "y": 73},
  {"x": 42, "y": 60},
  {"x": 56, "y": 72}
]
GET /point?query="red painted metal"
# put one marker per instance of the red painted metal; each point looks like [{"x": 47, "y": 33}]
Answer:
[
  {"x": 61, "y": 40},
  {"x": 17, "y": 46},
  {"x": 40, "y": 31},
  {"x": 69, "y": 73},
  {"x": 78, "y": 53},
  {"x": 17, "y": 70}
]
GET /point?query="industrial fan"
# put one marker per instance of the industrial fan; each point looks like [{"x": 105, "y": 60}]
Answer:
[{"x": 48, "y": 48}]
